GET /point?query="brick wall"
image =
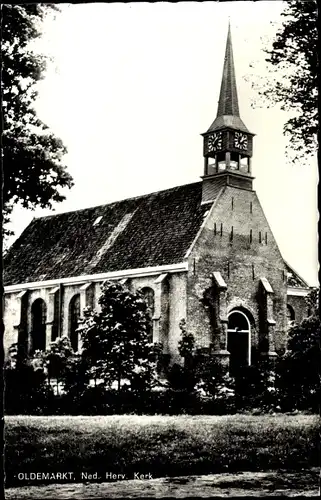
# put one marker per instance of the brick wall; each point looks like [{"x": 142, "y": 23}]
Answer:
[
  {"x": 237, "y": 241},
  {"x": 170, "y": 308},
  {"x": 299, "y": 306}
]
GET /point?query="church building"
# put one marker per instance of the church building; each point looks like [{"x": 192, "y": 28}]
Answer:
[{"x": 203, "y": 252}]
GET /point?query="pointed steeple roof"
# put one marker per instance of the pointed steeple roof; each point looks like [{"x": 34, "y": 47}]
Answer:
[{"x": 228, "y": 114}]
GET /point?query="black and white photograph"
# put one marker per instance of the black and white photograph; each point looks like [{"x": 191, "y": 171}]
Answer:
[{"x": 160, "y": 296}]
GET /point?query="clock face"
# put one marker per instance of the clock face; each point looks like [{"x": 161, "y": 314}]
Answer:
[
  {"x": 214, "y": 142},
  {"x": 240, "y": 140}
]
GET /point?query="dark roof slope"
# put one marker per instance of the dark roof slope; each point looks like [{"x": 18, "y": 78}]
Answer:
[{"x": 150, "y": 230}]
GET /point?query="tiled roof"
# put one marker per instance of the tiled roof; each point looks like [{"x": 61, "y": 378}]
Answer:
[
  {"x": 150, "y": 230},
  {"x": 146, "y": 231}
]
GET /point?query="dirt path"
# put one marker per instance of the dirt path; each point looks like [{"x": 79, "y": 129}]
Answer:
[{"x": 302, "y": 483}]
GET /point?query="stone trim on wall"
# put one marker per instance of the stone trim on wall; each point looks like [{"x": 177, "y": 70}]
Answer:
[
  {"x": 161, "y": 310},
  {"x": 79, "y": 280},
  {"x": 53, "y": 295},
  {"x": 269, "y": 322},
  {"x": 299, "y": 292}
]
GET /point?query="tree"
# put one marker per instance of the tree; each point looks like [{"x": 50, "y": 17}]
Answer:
[
  {"x": 186, "y": 344},
  {"x": 33, "y": 172},
  {"x": 299, "y": 369},
  {"x": 116, "y": 348},
  {"x": 26, "y": 389},
  {"x": 312, "y": 301},
  {"x": 293, "y": 78}
]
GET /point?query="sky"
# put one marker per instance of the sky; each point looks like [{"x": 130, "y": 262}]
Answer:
[{"x": 129, "y": 89}]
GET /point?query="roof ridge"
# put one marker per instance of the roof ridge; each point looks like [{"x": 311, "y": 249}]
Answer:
[
  {"x": 161, "y": 227},
  {"x": 142, "y": 196}
]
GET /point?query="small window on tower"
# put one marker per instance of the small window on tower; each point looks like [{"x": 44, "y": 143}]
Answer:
[
  {"x": 244, "y": 164},
  {"x": 211, "y": 166},
  {"x": 234, "y": 161},
  {"x": 221, "y": 162}
]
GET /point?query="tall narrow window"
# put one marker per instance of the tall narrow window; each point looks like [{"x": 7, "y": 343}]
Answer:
[
  {"x": 221, "y": 229},
  {"x": 74, "y": 315},
  {"x": 238, "y": 341},
  {"x": 290, "y": 314},
  {"x": 149, "y": 298},
  {"x": 260, "y": 237},
  {"x": 231, "y": 236},
  {"x": 55, "y": 326},
  {"x": 232, "y": 203},
  {"x": 250, "y": 235},
  {"x": 214, "y": 228},
  {"x": 38, "y": 319},
  {"x": 251, "y": 207},
  {"x": 266, "y": 238},
  {"x": 253, "y": 272}
]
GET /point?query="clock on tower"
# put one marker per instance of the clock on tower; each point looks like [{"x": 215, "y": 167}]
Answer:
[
  {"x": 240, "y": 141},
  {"x": 213, "y": 142},
  {"x": 228, "y": 144}
]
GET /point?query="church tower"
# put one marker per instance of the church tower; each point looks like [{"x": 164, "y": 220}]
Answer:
[{"x": 228, "y": 143}]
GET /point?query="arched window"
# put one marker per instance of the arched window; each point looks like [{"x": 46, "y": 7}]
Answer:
[
  {"x": 74, "y": 315},
  {"x": 38, "y": 327},
  {"x": 149, "y": 298},
  {"x": 290, "y": 314},
  {"x": 238, "y": 340}
]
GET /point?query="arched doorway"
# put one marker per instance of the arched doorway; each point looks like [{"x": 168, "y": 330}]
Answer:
[
  {"x": 238, "y": 340},
  {"x": 38, "y": 327}
]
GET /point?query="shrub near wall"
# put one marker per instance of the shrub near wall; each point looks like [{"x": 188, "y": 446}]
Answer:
[
  {"x": 298, "y": 372},
  {"x": 60, "y": 382}
]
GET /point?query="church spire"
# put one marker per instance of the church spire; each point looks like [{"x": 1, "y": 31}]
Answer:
[
  {"x": 228, "y": 102},
  {"x": 228, "y": 114},
  {"x": 227, "y": 143}
]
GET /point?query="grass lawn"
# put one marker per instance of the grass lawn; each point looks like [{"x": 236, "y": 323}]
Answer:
[{"x": 161, "y": 445}]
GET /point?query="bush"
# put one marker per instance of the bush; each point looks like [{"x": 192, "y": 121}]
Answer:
[
  {"x": 26, "y": 390},
  {"x": 298, "y": 372},
  {"x": 255, "y": 387}
]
